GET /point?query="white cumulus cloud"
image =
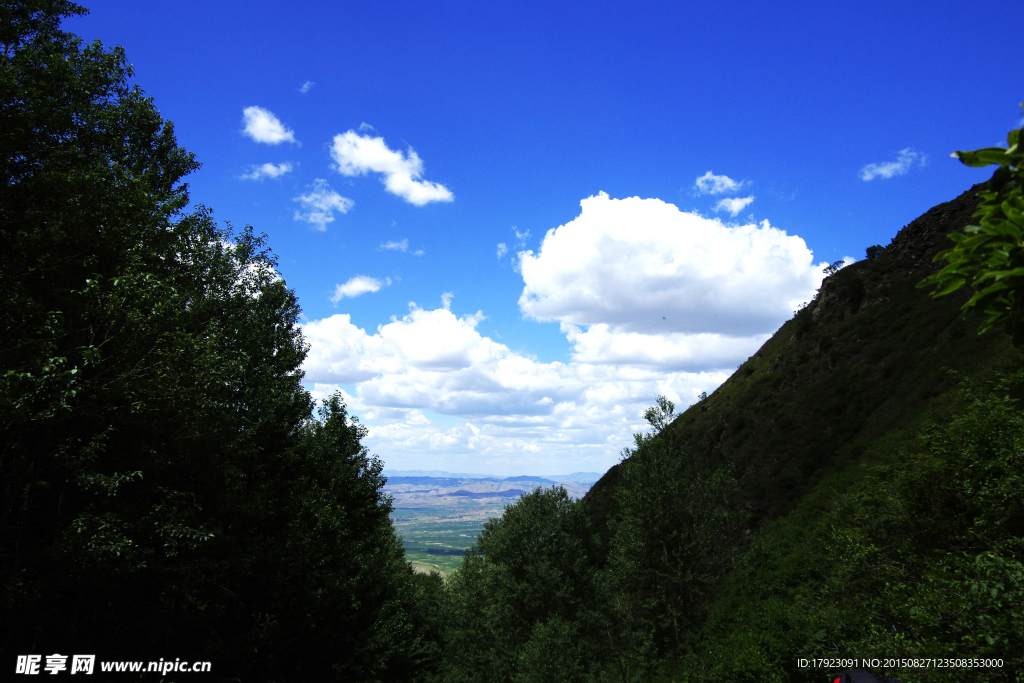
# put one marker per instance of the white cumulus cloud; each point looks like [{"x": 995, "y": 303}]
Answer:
[
  {"x": 262, "y": 126},
  {"x": 642, "y": 265},
  {"x": 422, "y": 340},
  {"x": 268, "y": 171},
  {"x": 709, "y": 183},
  {"x": 695, "y": 352},
  {"x": 733, "y": 204},
  {"x": 503, "y": 411},
  {"x": 360, "y": 284},
  {"x": 393, "y": 245},
  {"x": 320, "y": 203},
  {"x": 356, "y": 154},
  {"x": 888, "y": 169}
]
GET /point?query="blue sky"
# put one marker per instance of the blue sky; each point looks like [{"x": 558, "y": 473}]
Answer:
[{"x": 511, "y": 226}]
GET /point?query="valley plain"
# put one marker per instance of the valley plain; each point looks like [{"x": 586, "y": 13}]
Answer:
[{"x": 440, "y": 517}]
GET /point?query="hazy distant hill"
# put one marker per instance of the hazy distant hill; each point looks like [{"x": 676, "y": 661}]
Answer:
[
  {"x": 507, "y": 493},
  {"x": 578, "y": 477},
  {"x": 453, "y": 489}
]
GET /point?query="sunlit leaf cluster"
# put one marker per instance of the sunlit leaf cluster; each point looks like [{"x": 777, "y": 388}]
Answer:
[{"x": 989, "y": 256}]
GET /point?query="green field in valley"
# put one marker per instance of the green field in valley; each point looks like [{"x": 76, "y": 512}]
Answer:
[
  {"x": 438, "y": 518},
  {"x": 436, "y": 538}
]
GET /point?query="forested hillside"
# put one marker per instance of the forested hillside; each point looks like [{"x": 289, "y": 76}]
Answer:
[
  {"x": 168, "y": 491},
  {"x": 847, "y": 493}
]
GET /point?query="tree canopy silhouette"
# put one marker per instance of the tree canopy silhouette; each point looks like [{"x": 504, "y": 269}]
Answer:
[{"x": 167, "y": 490}]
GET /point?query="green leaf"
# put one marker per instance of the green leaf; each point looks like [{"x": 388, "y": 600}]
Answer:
[{"x": 983, "y": 157}]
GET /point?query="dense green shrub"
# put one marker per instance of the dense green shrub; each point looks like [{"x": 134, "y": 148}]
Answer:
[{"x": 921, "y": 558}]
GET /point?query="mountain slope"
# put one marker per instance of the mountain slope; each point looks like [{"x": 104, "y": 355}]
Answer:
[
  {"x": 842, "y": 495},
  {"x": 864, "y": 358}
]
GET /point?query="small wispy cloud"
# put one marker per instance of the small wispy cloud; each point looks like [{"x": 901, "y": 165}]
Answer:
[
  {"x": 267, "y": 171},
  {"x": 306, "y": 87},
  {"x": 356, "y": 154},
  {"x": 262, "y": 126},
  {"x": 418, "y": 252},
  {"x": 709, "y": 183},
  {"x": 396, "y": 246},
  {"x": 522, "y": 237},
  {"x": 360, "y": 284},
  {"x": 733, "y": 204},
  {"x": 320, "y": 204},
  {"x": 446, "y": 300},
  {"x": 365, "y": 127},
  {"x": 888, "y": 169}
]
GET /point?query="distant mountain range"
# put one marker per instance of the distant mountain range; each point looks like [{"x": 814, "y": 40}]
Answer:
[
  {"x": 577, "y": 477},
  {"x": 419, "y": 489}
]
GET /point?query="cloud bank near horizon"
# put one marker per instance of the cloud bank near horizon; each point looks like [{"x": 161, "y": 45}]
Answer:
[
  {"x": 487, "y": 404},
  {"x": 653, "y": 301}
]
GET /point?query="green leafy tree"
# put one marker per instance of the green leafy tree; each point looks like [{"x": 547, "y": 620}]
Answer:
[
  {"x": 661, "y": 414},
  {"x": 833, "y": 267},
  {"x": 989, "y": 256},
  {"x": 874, "y": 251},
  {"x": 166, "y": 490},
  {"x": 675, "y": 535},
  {"x": 523, "y": 606}
]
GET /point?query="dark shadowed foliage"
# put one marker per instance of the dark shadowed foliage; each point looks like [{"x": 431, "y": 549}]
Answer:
[{"x": 166, "y": 489}]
